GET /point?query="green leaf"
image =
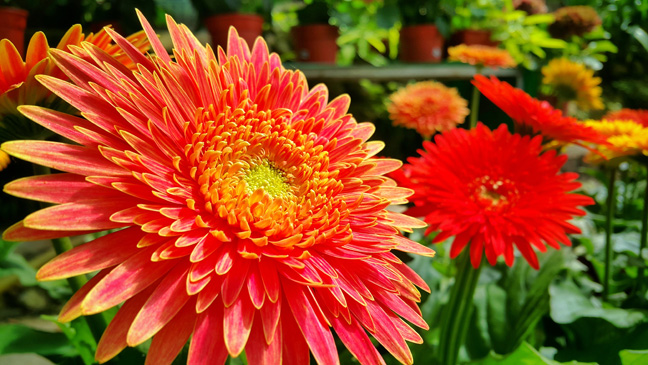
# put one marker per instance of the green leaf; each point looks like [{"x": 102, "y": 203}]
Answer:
[
  {"x": 523, "y": 355},
  {"x": 79, "y": 335},
  {"x": 15, "y": 338},
  {"x": 640, "y": 35},
  {"x": 634, "y": 357}
]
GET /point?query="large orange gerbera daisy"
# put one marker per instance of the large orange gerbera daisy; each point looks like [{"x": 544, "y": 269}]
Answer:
[
  {"x": 427, "y": 107},
  {"x": 569, "y": 80},
  {"x": 250, "y": 210},
  {"x": 535, "y": 116},
  {"x": 637, "y": 115},
  {"x": 494, "y": 190},
  {"x": 480, "y": 55},
  {"x": 18, "y": 85}
]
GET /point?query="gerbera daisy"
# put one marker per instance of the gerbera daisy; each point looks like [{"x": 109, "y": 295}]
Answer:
[
  {"x": 480, "y": 55},
  {"x": 569, "y": 80},
  {"x": 624, "y": 138},
  {"x": 494, "y": 190},
  {"x": 250, "y": 210},
  {"x": 535, "y": 115},
  {"x": 427, "y": 107},
  {"x": 637, "y": 115},
  {"x": 18, "y": 85}
]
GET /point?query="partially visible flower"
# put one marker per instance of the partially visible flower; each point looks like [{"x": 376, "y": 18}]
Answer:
[
  {"x": 493, "y": 191},
  {"x": 574, "y": 20},
  {"x": 427, "y": 107},
  {"x": 18, "y": 84},
  {"x": 531, "y": 7},
  {"x": 535, "y": 116},
  {"x": 251, "y": 211},
  {"x": 569, "y": 80},
  {"x": 4, "y": 160},
  {"x": 480, "y": 55},
  {"x": 624, "y": 138},
  {"x": 637, "y": 115}
]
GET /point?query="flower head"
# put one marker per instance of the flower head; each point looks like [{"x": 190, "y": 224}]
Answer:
[
  {"x": 637, "y": 115},
  {"x": 531, "y": 7},
  {"x": 480, "y": 55},
  {"x": 624, "y": 138},
  {"x": 250, "y": 210},
  {"x": 574, "y": 20},
  {"x": 573, "y": 81},
  {"x": 18, "y": 85},
  {"x": 494, "y": 190},
  {"x": 427, "y": 107},
  {"x": 537, "y": 116}
]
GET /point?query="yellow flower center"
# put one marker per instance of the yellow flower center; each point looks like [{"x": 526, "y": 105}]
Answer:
[
  {"x": 494, "y": 193},
  {"x": 268, "y": 178}
]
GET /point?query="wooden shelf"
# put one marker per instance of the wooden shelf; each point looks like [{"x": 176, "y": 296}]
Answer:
[{"x": 438, "y": 71}]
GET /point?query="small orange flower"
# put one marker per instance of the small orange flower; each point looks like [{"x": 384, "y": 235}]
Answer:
[
  {"x": 428, "y": 107},
  {"x": 18, "y": 84},
  {"x": 569, "y": 80},
  {"x": 637, "y": 115},
  {"x": 480, "y": 55}
]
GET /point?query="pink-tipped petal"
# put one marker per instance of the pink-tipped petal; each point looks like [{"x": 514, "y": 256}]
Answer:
[
  {"x": 207, "y": 345},
  {"x": 168, "y": 343}
]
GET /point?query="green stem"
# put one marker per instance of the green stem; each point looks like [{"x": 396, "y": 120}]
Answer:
[
  {"x": 642, "y": 243},
  {"x": 457, "y": 313},
  {"x": 609, "y": 217},
  {"x": 474, "y": 102},
  {"x": 96, "y": 322}
]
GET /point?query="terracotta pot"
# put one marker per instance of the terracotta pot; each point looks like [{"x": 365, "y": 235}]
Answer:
[
  {"x": 473, "y": 37},
  {"x": 13, "y": 22},
  {"x": 315, "y": 43},
  {"x": 248, "y": 26},
  {"x": 420, "y": 43}
]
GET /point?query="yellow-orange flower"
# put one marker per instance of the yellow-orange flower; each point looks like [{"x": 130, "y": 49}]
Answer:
[
  {"x": 4, "y": 160},
  {"x": 637, "y": 115},
  {"x": 480, "y": 55},
  {"x": 625, "y": 138},
  {"x": 18, "y": 85},
  {"x": 573, "y": 81},
  {"x": 428, "y": 107}
]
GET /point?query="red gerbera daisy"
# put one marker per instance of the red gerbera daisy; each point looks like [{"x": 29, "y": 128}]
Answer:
[
  {"x": 250, "y": 210},
  {"x": 636, "y": 115},
  {"x": 494, "y": 190},
  {"x": 538, "y": 116}
]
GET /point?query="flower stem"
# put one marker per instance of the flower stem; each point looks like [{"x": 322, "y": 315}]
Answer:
[
  {"x": 642, "y": 244},
  {"x": 474, "y": 102},
  {"x": 458, "y": 310},
  {"x": 609, "y": 217}
]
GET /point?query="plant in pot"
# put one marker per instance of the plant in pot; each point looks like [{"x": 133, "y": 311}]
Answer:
[
  {"x": 13, "y": 22},
  {"x": 420, "y": 37},
  {"x": 315, "y": 40},
  {"x": 473, "y": 21},
  {"x": 244, "y": 15}
]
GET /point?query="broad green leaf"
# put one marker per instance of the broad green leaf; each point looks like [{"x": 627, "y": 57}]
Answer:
[
  {"x": 15, "y": 338},
  {"x": 539, "y": 19},
  {"x": 634, "y": 357},
  {"x": 80, "y": 336},
  {"x": 524, "y": 355},
  {"x": 640, "y": 35}
]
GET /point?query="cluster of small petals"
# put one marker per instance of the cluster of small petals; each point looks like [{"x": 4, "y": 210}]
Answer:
[
  {"x": 18, "y": 84},
  {"x": 493, "y": 191},
  {"x": 535, "y": 116},
  {"x": 574, "y": 20},
  {"x": 428, "y": 107},
  {"x": 624, "y": 138},
  {"x": 637, "y": 115},
  {"x": 570, "y": 80},
  {"x": 250, "y": 211},
  {"x": 481, "y": 55}
]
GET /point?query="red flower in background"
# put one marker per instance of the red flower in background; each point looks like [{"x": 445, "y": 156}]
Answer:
[
  {"x": 250, "y": 210},
  {"x": 636, "y": 115},
  {"x": 538, "y": 116},
  {"x": 492, "y": 191}
]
